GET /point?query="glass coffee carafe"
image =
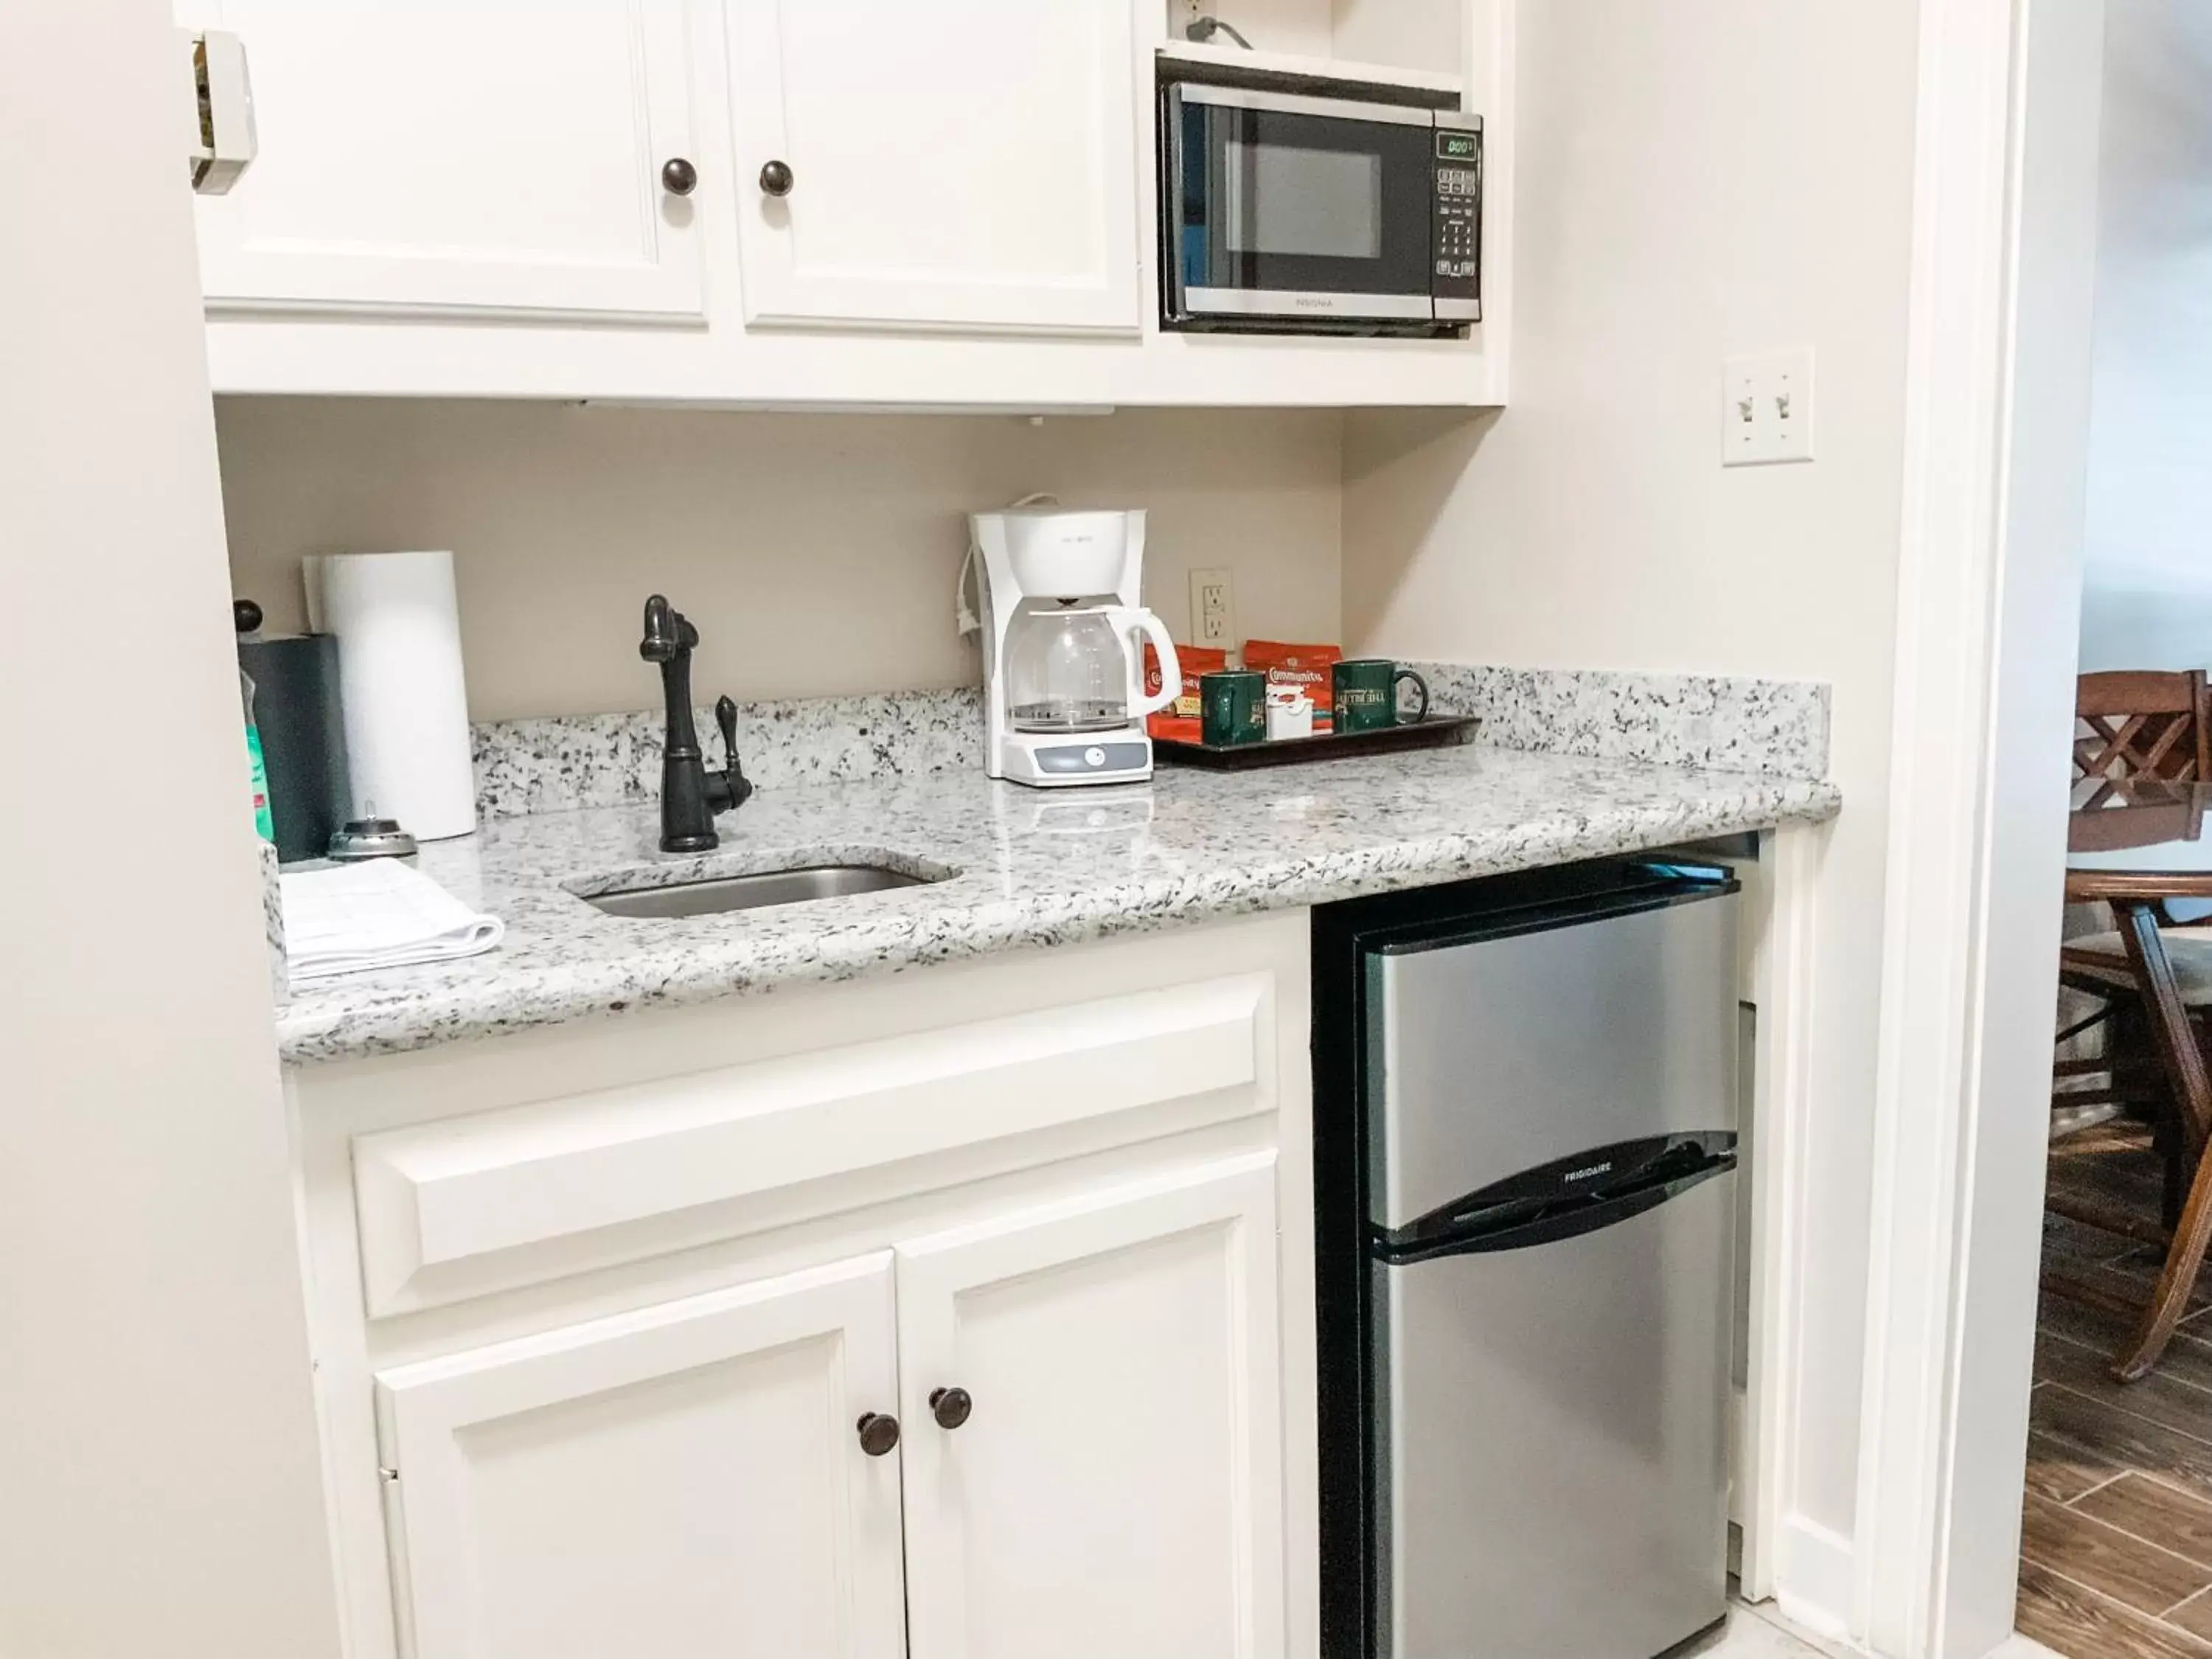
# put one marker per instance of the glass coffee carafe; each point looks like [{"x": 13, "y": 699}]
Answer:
[{"x": 1072, "y": 667}]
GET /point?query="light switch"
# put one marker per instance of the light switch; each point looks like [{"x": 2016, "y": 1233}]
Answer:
[{"x": 1766, "y": 408}]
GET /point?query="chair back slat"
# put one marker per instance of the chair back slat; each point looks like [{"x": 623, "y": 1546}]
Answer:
[{"x": 2139, "y": 724}]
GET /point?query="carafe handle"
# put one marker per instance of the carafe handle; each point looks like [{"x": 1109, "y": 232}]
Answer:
[{"x": 1131, "y": 621}]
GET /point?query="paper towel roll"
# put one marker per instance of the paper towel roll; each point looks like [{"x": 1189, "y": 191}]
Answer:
[{"x": 406, "y": 705}]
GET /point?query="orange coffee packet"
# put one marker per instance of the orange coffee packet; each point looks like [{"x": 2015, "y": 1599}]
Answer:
[{"x": 1180, "y": 718}]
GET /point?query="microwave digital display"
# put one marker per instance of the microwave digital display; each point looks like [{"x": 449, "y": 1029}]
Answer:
[{"x": 1458, "y": 146}]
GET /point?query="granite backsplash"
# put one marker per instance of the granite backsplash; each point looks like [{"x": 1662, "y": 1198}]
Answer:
[{"x": 1775, "y": 727}]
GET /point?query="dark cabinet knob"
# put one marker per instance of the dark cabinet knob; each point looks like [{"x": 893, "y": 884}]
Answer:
[
  {"x": 775, "y": 179},
  {"x": 879, "y": 1433},
  {"x": 677, "y": 176},
  {"x": 949, "y": 1406}
]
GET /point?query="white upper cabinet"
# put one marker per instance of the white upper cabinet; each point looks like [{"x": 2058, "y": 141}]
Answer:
[
  {"x": 957, "y": 164},
  {"x": 503, "y": 156},
  {"x": 1115, "y": 1485},
  {"x": 684, "y": 1481}
]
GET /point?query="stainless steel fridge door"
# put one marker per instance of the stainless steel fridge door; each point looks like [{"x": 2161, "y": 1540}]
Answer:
[
  {"x": 1551, "y": 1477},
  {"x": 1490, "y": 1058}
]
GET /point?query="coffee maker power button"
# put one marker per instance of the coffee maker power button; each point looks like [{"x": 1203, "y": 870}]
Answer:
[{"x": 1094, "y": 756}]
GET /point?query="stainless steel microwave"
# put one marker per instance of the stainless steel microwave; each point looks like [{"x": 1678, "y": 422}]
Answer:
[{"x": 1292, "y": 211}]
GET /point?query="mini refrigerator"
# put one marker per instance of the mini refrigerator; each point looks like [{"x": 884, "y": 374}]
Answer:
[{"x": 1525, "y": 1126}]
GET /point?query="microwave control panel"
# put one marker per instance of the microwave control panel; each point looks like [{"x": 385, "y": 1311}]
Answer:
[{"x": 1456, "y": 222}]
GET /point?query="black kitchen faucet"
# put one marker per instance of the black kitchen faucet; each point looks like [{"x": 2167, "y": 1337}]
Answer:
[{"x": 690, "y": 795}]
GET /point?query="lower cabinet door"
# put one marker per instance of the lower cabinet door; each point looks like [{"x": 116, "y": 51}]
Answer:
[
  {"x": 683, "y": 1481},
  {"x": 1115, "y": 1487}
]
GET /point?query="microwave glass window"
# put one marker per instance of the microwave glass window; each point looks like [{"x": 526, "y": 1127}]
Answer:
[
  {"x": 1289, "y": 200},
  {"x": 1266, "y": 202}
]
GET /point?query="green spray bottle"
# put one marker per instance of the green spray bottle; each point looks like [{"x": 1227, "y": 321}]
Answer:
[{"x": 257, "y": 767}]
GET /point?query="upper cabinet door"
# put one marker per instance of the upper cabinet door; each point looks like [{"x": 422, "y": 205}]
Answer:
[
  {"x": 962, "y": 163},
  {"x": 1115, "y": 1486},
  {"x": 683, "y": 1481},
  {"x": 500, "y": 156}
]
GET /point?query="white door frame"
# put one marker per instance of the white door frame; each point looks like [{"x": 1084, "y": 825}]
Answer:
[
  {"x": 1989, "y": 598},
  {"x": 158, "y": 1432}
]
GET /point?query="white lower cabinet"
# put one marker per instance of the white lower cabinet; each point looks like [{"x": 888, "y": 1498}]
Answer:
[
  {"x": 960, "y": 1315},
  {"x": 1116, "y": 1488},
  {"x": 684, "y": 1481},
  {"x": 1090, "y": 1446}
]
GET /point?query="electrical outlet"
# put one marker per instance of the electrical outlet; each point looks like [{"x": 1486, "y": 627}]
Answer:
[
  {"x": 1213, "y": 609},
  {"x": 1766, "y": 412}
]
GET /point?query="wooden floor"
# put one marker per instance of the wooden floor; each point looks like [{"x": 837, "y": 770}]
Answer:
[{"x": 2117, "y": 1543}]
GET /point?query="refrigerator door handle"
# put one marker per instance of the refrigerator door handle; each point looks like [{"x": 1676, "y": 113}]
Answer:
[
  {"x": 1546, "y": 1224},
  {"x": 1581, "y": 1178}
]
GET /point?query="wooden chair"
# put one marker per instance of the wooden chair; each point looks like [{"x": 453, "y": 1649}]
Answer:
[
  {"x": 2128, "y": 725},
  {"x": 2144, "y": 761},
  {"x": 2167, "y": 972},
  {"x": 2138, "y": 724}
]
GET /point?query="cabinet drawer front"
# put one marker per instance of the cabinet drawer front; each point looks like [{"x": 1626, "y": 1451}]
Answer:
[
  {"x": 437, "y": 1201},
  {"x": 681, "y": 1480}
]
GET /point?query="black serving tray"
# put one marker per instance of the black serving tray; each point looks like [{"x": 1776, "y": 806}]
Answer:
[{"x": 1438, "y": 732}]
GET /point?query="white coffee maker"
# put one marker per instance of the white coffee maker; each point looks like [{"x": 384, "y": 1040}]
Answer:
[{"x": 1063, "y": 653}]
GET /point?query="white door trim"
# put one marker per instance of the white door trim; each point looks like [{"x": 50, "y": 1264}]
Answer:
[
  {"x": 1989, "y": 589},
  {"x": 1779, "y": 962}
]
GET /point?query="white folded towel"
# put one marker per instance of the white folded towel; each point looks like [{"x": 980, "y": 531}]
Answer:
[{"x": 353, "y": 917}]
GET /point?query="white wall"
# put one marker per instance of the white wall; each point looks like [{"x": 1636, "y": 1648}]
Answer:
[
  {"x": 1694, "y": 179},
  {"x": 815, "y": 553},
  {"x": 2148, "y": 599},
  {"x": 160, "y": 1480}
]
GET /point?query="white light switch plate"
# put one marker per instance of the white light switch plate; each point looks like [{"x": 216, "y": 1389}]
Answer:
[
  {"x": 1213, "y": 609},
  {"x": 1766, "y": 408}
]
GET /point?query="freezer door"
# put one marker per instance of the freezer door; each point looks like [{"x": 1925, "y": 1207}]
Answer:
[
  {"x": 1550, "y": 1474},
  {"x": 1489, "y": 1058}
]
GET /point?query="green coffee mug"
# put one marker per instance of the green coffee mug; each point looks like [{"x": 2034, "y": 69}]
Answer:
[
  {"x": 1232, "y": 707},
  {"x": 1367, "y": 693}
]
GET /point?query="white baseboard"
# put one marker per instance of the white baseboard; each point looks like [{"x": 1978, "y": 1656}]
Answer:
[{"x": 1814, "y": 1578}]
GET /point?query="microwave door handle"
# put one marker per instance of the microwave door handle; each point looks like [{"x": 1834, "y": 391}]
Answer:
[{"x": 1235, "y": 183}]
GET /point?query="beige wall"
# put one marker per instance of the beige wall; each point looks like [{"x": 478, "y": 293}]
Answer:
[
  {"x": 1694, "y": 179},
  {"x": 816, "y": 553},
  {"x": 158, "y": 1455}
]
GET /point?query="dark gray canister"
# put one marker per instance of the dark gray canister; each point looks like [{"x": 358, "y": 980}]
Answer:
[{"x": 295, "y": 704}]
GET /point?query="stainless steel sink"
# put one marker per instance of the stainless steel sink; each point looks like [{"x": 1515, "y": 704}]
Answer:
[{"x": 754, "y": 893}]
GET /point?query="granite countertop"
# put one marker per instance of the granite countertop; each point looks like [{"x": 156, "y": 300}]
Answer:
[{"x": 1030, "y": 868}]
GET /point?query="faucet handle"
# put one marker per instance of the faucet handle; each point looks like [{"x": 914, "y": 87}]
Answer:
[
  {"x": 731, "y": 789},
  {"x": 726, "y": 717}
]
